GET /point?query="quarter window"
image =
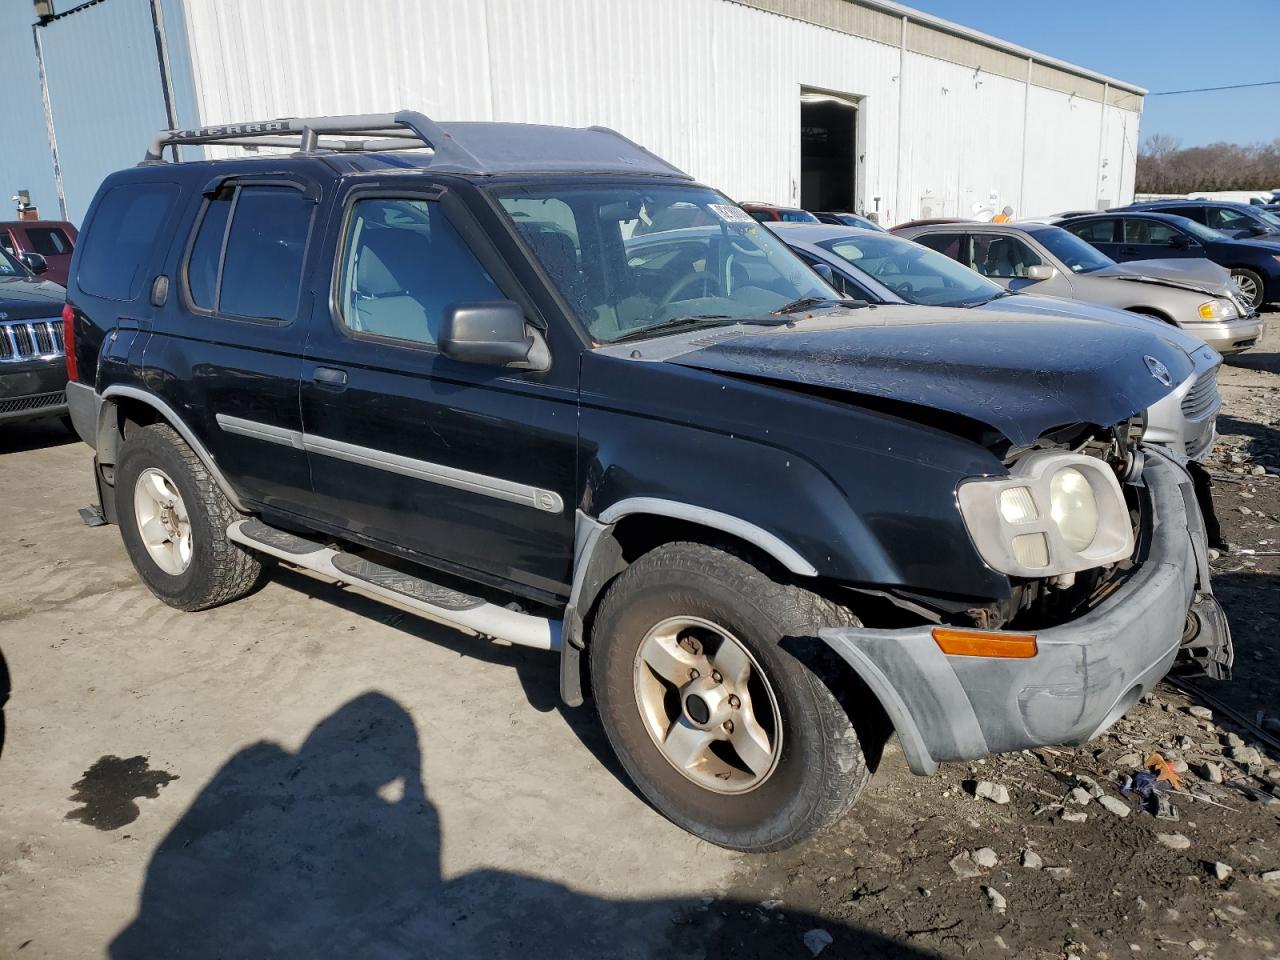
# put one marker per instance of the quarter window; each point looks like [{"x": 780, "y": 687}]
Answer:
[
  {"x": 403, "y": 262},
  {"x": 1096, "y": 231},
  {"x": 122, "y": 235},
  {"x": 256, "y": 271},
  {"x": 48, "y": 241},
  {"x": 948, "y": 244}
]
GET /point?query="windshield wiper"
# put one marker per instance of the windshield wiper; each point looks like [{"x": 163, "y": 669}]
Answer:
[
  {"x": 804, "y": 303},
  {"x": 675, "y": 323}
]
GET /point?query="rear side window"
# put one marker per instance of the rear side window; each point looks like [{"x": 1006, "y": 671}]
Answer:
[
  {"x": 1096, "y": 231},
  {"x": 49, "y": 241},
  {"x": 253, "y": 267},
  {"x": 1149, "y": 233},
  {"x": 947, "y": 244},
  {"x": 122, "y": 235}
]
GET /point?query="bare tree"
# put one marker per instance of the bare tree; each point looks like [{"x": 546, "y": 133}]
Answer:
[{"x": 1164, "y": 166}]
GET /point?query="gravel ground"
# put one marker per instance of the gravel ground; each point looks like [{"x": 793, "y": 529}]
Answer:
[{"x": 938, "y": 872}]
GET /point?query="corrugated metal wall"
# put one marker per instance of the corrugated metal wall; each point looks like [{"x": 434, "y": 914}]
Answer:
[
  {"x": 713, "y": 86},
  {"x": 105, "y": 92}
]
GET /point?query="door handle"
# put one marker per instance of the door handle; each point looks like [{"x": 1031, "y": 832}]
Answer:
[{"x": 330, "y": 379}]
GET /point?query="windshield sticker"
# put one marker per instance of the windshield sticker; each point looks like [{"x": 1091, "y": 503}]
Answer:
[{"x": 732, "y": 214}]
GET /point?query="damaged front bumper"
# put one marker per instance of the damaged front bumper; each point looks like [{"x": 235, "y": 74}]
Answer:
[{"x": 1085, "y": 673}]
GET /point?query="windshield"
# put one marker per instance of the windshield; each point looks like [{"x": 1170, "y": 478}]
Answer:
[
  {"x": 604, "y": 248},
  {"x": 915, "y": 273},
  {"x": 1075, "y": 254},
  {"x": 1267, "y": 217},
  {"x": 1199, "y": 230},
  {"x": 10, "y": 267}
]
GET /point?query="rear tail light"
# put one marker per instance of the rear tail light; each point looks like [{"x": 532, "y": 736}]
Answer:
[{"x": 69, "y": 341}]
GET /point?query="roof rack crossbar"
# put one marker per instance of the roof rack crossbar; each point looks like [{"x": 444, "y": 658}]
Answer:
[{"x": 404, "y": 130}]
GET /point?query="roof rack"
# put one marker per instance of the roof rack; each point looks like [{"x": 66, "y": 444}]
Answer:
[
  {"x": 467, "y": 147},
  {"x": 369, "y": 132}
]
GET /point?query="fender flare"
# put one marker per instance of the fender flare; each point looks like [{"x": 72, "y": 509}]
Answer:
[{"x": 170, "y": 416}]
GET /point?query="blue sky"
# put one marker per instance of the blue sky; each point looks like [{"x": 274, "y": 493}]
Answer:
[{"x": 1169, "y": 45}]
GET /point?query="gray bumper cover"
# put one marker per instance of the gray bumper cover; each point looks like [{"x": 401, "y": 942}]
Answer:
[{"x": 1086, "y": 673}]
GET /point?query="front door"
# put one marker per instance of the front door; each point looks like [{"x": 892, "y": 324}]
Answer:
[
  {"x": 470, "y": 467},
  {"x": 1155, "y": 240}
]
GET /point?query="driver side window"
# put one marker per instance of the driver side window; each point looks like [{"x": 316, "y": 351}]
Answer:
[{"x": 403, "y": 262}]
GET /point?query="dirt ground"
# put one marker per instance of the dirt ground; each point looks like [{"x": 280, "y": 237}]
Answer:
[{"x": 306, "y": 773}]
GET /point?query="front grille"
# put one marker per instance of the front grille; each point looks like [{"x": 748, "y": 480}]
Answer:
[
  {"x": 30, "y": 340},
  {"x": 1202, "y": 399},
  {"x": 34, "y": 402}
]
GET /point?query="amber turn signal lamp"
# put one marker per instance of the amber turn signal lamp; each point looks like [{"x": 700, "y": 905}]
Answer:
[{"x": 976, "y": 643}]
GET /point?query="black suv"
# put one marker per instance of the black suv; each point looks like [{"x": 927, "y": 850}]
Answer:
[
  {"x": 457, "y": 367},
  {"x": 33, "y": 372}
]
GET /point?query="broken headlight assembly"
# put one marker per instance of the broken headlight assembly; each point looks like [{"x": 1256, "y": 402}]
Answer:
[{"x": 1056, "y": 513}]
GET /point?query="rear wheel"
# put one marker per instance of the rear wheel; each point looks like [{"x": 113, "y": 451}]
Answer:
[
  {"x": 174, "y": 519},
  {"x": 1251, "y": 285},
  {"x": 702, "y": 668}
]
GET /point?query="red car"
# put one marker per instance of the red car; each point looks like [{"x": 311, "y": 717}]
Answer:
[
  {"x": 769, "y": 213},
  {"x": 55, "y": 240}
]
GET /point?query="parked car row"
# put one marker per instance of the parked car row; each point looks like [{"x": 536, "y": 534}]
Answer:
[
  {"x": 33, "y": 375},
  {"x": 603, "y": 412}
]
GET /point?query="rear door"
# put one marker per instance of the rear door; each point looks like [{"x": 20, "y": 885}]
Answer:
[
  {"x": 1148, "y": 239},
  {"x": 470, "y": 467},
  {"x": 1104, "y": 235},
  {"x": 227, "y": 346}
]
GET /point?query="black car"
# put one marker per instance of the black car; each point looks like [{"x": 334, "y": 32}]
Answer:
[
  {"x": 1147, "y": 235},
  {"x": 849, "y": 220},
  {"x": 33, "y": 370},
  {"x": 1239, "y": 220},
  {"x": 767, "y": 522}
]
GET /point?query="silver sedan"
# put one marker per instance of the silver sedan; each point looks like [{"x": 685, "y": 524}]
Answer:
[
  {"x": 884, "y": 268},
  {"x": 1197, "y": 295}
]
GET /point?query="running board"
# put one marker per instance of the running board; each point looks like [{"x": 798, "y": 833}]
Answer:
[{"x": 442, "y": 604}]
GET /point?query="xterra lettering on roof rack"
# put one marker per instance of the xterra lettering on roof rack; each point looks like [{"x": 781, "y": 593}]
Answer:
[{"x": 476, "y": 148}]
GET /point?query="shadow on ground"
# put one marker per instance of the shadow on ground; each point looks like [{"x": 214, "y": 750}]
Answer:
[
  {"x": 334, "y": 851},
  {"x": 35, "y": 435}
]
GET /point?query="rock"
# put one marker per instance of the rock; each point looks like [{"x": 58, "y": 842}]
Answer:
[
  {"x": 1258, "y": 470},
  {"x": 995, "y": 792},
  {"x": 1233, "y": 740},
  {"x": 963, "y": 866},
  {"x": 1246, "y": 512},
  {"x": 1212, "y": 772},
  {"x": 986, "y": 858},
  {"x": 1274, "y": 774},
  {"x": 1214, "y": 553},
  {"x": 1089, "y": 784},
  {"x": 1032, "y": 860},
  {"x": 1197, "y": 945},
  {"x": 817, "y": 940},
  {"x": 998, "y": 902},
  {"x": 1058, "y": 873},
  {"x": 1270, "y": 876},
  {"x": 1244, "y": 755},
  {"x": 1174, "y": 841},
  {"x": 1129, "y": 761},
  {"x": 770, "y": 904},
  {"x": 1180, "y": 766},
  {"x": 1079, "y": 795},
  {"x": 1115, "y": 805},
  {"x": 1219, "y": 870},
  {"x": 1200, "y": 713},
  {"x": 1074, "y": 816}
]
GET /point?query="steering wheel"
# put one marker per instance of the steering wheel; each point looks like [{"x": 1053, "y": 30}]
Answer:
[
  {"x": 690, "y": 278},
  {"x": 904, "y": 288}
]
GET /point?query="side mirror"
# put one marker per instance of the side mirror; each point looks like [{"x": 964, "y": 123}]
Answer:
[
  {"x": 1179, "y": 241},
  {"x": 1041, "y": 271},
  {"x": 1258, "y": 230},
  {"x": 826, "y": 273},
  {"x": 35, "y": 263},
  {"x": 494, "y": 333}
]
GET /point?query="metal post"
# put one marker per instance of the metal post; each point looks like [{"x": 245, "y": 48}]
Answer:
[
  {"x": 902, "y": 86},
  {"x": 48, "y": 122},
  {"x": 1026, "y": 120},
  {"x": 166, "y": 76}
]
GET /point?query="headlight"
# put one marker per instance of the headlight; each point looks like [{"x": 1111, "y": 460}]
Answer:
[
  {"x": 1055, "y": 513},
  {"x": 1218, "y": 310},
  {"x": 1073, "y": 507}
]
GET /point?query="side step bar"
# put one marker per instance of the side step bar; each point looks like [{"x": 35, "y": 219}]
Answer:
[{"x": 450, "y": 607}]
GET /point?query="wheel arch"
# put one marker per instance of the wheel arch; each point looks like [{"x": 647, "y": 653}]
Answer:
[
  {"x": 1154, "y": 313},
  {"x": 124, "y": 405}
]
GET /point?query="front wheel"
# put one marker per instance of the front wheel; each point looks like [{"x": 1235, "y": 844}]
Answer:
[
  {"x": 702, "y": 668},
  {"x": 1251, "y": 285}
]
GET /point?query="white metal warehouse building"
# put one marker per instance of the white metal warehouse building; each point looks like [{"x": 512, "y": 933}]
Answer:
[{"x": 831, "y": 104}]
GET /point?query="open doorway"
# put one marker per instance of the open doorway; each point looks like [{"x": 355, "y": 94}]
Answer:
[{"x": 828, "y": 152}]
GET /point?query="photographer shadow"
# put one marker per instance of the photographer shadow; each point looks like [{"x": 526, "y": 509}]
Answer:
[{"x": 335, "y": 851}]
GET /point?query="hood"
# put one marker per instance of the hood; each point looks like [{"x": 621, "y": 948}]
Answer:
[
  {"x": 1027, "y": 304},
  {"x": 1022, "y": 375},
  {"x": 1189, "y": 274},
  {"x": 26, "y": 298}
]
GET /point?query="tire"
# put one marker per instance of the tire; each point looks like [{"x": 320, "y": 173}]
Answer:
[
  {"x": 217, "y": 570},
  {"x": 1251, "y": 285},
  {"x": 820, "y": 767}
]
